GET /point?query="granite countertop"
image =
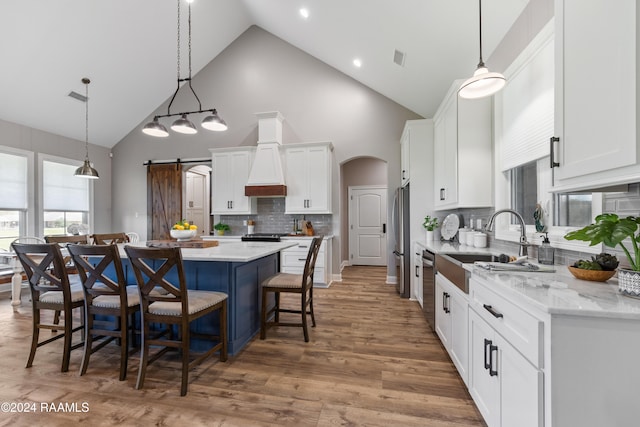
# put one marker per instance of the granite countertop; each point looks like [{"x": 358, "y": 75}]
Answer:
[
  {"x": 557, "y": 293},
  {"x": 227, "y": 251}
]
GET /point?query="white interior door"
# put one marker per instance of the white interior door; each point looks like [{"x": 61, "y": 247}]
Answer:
[
  {"x": 196, "y": 200},
  {"x": 368, "y": 225}
]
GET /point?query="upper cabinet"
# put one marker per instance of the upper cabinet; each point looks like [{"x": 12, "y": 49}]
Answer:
[
  {"x": 462, "y": 157},
  {"x": 596, "y": 93},
  {"x": 308, "y": 178},
  {"x": 230, "y": 174}
]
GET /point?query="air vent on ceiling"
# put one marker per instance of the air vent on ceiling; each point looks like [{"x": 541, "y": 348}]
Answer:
[
  {"x": 76, "y": 95},
  {"x": 398, "y": 57}
]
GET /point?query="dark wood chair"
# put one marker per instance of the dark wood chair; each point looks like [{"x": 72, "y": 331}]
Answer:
[
  {"x": 109, "y": 238},
  {"x": 50, "y": 290},
  {"x": 154, "y": 268},
  {"x": 291, "y": 283},
  {"x": 106, "y": 295}
]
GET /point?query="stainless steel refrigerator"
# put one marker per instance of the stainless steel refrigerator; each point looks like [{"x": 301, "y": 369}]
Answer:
[{"x": 402, "y": 250}]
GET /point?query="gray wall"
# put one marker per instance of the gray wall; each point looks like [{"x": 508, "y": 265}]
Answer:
[
  {"x": 37, "y": 141},
  {"x": 260, "y": 72}
]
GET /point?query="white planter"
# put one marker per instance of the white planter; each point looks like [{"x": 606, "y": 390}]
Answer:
[
  {"x": 433, "y": 235},
  {"x": 629, "y": 282}
]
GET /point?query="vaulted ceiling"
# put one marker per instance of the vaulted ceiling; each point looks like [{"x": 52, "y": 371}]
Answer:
[{"x": 128, "y": 50}]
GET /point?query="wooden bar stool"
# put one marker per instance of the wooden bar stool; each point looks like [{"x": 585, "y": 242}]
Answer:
[
  {"x": 291, "y": 283},
  {"x": 109, "y": 238},
  {"x": 108, "y": 296},
  {"x": 179, "y": 306},
  {"x": 50, "y": 290}
]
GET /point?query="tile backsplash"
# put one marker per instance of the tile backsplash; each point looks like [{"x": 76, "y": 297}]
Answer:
[{"x": 272, "y": 219}]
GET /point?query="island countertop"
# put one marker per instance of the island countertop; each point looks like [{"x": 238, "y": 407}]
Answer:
[{"x": 227, "y": 251}]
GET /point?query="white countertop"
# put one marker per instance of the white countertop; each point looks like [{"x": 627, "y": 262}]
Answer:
[
  {"x": 227, "y": 251},
  {"x": 557, "y": 293}
]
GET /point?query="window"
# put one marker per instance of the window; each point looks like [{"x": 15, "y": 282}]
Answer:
[
  {"x": 14, "y": 201},
  {"x": 524, "y": 191},
  {"x": 573, "y": 210},
  {"x": 65, "y": 198}
]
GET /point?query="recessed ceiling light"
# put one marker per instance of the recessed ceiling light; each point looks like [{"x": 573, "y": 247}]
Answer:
[
  {"x": 304, "y": 13},
  {"x": 357, "y": 63}
]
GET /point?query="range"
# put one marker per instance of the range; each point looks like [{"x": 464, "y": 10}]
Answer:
[{"x": 262, "y": 237}]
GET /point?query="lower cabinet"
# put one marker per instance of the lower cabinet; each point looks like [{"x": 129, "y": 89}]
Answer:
[
  {"x": 505, "y": 386},
  {"x": 452, "y": 323},
  {"x": 292, "y": 260}
]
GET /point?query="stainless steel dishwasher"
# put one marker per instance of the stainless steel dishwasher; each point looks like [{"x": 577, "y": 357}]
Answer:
[{"x": 429, "y": 288}]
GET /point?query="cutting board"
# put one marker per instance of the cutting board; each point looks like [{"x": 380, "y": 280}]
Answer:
[{"x": 195, "y": 243}]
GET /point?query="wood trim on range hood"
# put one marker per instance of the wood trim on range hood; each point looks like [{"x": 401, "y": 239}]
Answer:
[{"x": 265, "y": 190}]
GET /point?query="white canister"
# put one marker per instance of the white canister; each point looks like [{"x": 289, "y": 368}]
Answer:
[
  {"x": 479, "y": 240},
  {"x": 462, "y": 235},
  {"x": 250, "y": 229},
  {"x": 470, "y": 238}
]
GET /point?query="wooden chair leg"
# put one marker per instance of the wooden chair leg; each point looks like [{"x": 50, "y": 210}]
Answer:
[
  {"x": 223, "y": 331},
  {"x": 303, "y": 313},
  {"x": 35, "y": 336},
  {"x": 68, "y": 328},
  {"x": 144, "y": 356},
  {"x": 124, "y": 346},
  {"x": 88, "y": 344},
  {"x": 263, "y": 316},
  {"x": 277, "y": 307},
  {"x": 185, "y": 358},
  {"x": 313, "y": 317},
  {"x": 56, "y": 320}
]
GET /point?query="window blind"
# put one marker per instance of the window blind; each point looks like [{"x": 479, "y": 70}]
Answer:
[
  {"x": 13, "y": 178},
  {"x": 528, "y": 108},
  {"x": 61, "y": 190}
]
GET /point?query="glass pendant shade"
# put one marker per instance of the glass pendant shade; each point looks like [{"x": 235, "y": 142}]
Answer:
[
  {"x": 155, "y": 128},
  {"x": 214, "y": 122},
  {"x": 86, "y": 171},
  {"x": 483, "y": 83},
  {"x": 183, "y": 125}
]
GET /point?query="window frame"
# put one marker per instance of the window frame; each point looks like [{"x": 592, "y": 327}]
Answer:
[
  {"x": 28, "y": 215},
  {"x": 40, "y": 211}
]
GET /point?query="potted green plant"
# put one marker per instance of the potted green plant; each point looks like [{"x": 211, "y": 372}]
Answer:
[
  {"x": 221, "y": 228},
  {"x": 431, "y": 225},
  {"x": 611, "y": 231}
]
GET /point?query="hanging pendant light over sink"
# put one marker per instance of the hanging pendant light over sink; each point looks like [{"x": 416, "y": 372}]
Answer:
[{"x": 483, "y": 83}]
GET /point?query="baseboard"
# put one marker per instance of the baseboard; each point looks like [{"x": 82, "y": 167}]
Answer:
[
  {"x": 344, "y": 264},
  {"x": 336, "y": 278},
  {"x": 391, "y": 280}
]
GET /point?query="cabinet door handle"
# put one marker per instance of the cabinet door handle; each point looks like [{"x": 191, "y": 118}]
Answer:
[
  {"x": 442, "y": 191},
  {"x": 302, "y": 259},
  {"x": 445, "y": 302},
  {"x": 384, "y": 228},
  {"x": 492, "y": 348},
  {"x": 552, "y": 157},
  {"x": 487, "y": 363},
  {"x": 403, "y": 176},
  {"x": 417, "y": 271},
  {"x": 493, "y": 311}
]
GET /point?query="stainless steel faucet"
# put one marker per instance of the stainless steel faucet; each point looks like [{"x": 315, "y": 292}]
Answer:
[{"x": 523, "y": 229}]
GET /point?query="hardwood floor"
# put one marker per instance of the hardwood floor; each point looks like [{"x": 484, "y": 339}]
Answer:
[{"x": 372, "y": 360}]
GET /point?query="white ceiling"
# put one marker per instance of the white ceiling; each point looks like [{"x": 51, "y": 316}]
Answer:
[{"x": 128, "y": 49}]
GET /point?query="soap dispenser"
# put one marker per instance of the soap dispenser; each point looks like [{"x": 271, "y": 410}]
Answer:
[{"x": 546, "y": 251}]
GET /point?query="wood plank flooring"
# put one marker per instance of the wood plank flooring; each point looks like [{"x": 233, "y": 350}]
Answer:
[{"x": 372, "y": 361}]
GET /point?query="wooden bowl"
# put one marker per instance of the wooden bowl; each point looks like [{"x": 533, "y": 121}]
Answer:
[{"x": 591, "y": 275}]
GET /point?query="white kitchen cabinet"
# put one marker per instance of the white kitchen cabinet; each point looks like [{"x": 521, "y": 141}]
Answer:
[
  {"x": 452, "y": 323},
  {"x": 505, "y": 352},
  {"x": 462, "y": 157},
  {"x": 229, "y": 176},
  {"x": 596, "y": 106},
  {"x": 292, "y": 260},
  {"x": 308, "y": 178}
]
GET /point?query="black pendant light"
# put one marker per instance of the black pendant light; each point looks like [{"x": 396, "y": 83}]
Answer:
[
  {"x": 183, "y": 124},
  {"x": 86, "y": 171},
  {"x": 483, "y": 83}
]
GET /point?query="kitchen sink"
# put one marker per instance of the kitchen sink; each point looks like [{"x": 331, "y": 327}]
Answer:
[{"x": 450, "y": 266}]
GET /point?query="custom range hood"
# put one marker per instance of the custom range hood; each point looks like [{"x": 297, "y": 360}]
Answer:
[{"x": 266, "y": 178}]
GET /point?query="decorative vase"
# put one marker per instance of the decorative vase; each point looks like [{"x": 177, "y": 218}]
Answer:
[
  {"x": 220, "y": 232},
  {"x": 433, "y": 235},
  {"x": 629, "y": 282}
]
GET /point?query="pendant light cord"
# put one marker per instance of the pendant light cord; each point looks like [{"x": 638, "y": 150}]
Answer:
[
  {"x": 86, "y": 82},
  {"x": 481, "y": 63},
  {"x": 178, "y": 38}
]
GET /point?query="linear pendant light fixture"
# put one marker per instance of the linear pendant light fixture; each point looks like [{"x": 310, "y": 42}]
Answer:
[
  {"x": 183, "y": 124},
  {"x": 86, "y": 171},
  {"x": 483, "y": 83}
]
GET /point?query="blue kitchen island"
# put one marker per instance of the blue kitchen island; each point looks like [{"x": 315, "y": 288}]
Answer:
[{"x": 235, "y": 268}]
